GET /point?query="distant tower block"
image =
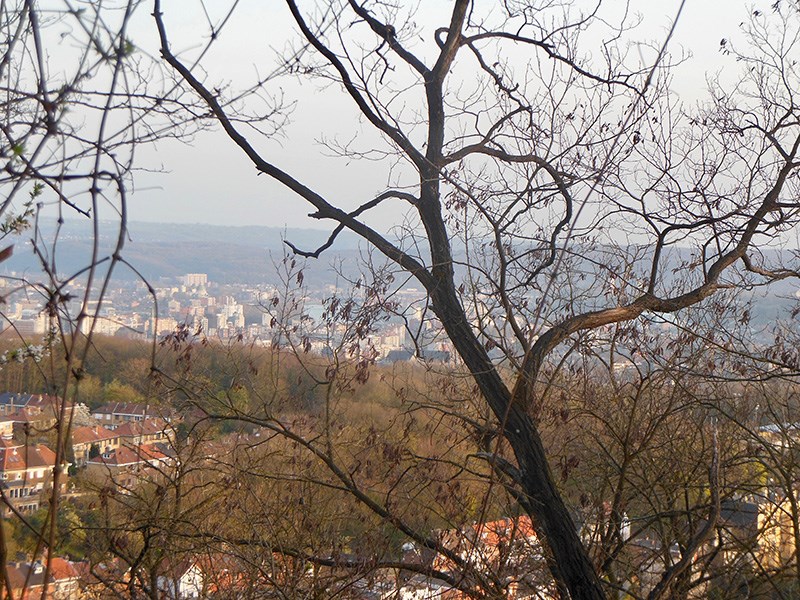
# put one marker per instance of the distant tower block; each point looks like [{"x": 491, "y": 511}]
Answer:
[{"x": 195, "y": 279}]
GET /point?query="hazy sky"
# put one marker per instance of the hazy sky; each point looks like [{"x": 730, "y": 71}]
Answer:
[{"x": 210, "y": 181}]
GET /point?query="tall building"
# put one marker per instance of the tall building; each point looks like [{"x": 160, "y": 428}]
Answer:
[{"x": 195, "y": 280}]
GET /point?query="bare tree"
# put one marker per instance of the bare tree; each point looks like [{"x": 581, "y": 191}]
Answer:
[{"x": 542, "y": 162}]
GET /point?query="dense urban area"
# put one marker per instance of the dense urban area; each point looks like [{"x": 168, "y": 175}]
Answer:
[{"x": 220, "y": 312}]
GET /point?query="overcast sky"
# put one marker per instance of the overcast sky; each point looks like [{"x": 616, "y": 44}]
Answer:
[{"x": 210, "y": 181}]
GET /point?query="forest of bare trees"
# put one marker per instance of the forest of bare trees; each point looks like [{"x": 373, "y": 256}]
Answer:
[{"x": 590, "y": 244}]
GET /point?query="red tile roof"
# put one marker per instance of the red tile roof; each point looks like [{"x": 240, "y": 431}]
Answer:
[
  {"x": 122, "y": 457},
  {"x": 85, "y": 435},
  {"x": 62, "y": 569},
  {"x": 19, "y": 458},
  {"x": 147, "y": 427},
  {"x": 18, "y": 577},
  {"x": 494, "y": 533},
  {"x": 27, "y": 586}
]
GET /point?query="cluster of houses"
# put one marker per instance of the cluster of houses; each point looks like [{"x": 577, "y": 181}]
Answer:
[
  {"x": 80, "y": 580},
  {"x": 21, "y": 414},
  {"x": 116, "y": 438},
  {"x": 26, "y": 580},
  {"x": 124, "y": 435}
]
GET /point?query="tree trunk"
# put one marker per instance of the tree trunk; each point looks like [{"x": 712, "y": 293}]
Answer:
[{"x": 567, "y": 559}]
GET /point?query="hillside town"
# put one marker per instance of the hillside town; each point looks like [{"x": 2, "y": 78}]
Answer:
[{"x": 127, "y": 446}]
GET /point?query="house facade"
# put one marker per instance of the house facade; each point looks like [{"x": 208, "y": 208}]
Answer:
[
  {"x": 84, "y": 439},
  {"x": 26, "y": 473},
  {"x": 114, "y": 414}
]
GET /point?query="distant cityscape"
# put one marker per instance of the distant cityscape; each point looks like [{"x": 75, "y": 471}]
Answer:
[{"x": 219, "y": 312}]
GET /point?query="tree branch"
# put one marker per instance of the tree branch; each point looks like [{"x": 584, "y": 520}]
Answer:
[{"x": 324, "y": 208}]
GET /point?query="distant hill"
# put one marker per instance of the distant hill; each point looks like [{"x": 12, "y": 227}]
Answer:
[
  {"x": 228, "y": 254},
  {"x": 246, "y": 235}
]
